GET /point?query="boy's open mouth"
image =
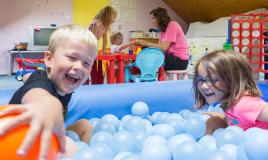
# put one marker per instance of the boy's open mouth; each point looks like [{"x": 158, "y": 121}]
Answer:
[{"x": 72, "y": 78}]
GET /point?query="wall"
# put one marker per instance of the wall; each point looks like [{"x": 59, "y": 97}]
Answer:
[
  {"x": 134, "y": 15},
  {"x": 17, "y": 15}
]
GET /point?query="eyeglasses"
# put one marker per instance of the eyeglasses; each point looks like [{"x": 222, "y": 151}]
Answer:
[{"x": 209, "y": 81}]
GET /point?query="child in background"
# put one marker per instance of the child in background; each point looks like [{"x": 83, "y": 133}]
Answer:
[
  {"x": 116, "y": 39},
  {"x": 45, "y": 95},
  {"x": 226, "y": 77},
  {"x": 102, "y": 23}
]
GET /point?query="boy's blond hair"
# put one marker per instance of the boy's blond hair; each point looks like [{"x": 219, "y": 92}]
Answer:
[
  {"x": 114, "y": 36},
  {"x": 73, "y": 32}
]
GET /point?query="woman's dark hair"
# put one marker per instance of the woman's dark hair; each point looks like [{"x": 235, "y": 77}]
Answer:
[{"x": 162, "y": 18}]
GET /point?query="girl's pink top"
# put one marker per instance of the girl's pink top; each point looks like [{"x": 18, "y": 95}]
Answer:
[{"x": 245, "y": 113}]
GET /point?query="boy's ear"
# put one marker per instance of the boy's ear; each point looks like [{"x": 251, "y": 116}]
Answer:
[{"x": 48, "y": 58}]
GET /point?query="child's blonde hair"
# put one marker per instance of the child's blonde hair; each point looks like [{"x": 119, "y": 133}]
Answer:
[
  {"x": 73, "y": 32},
  {"x": 105, "y": 15},
  {"x": 231, "y": 68},
  {"x": 114, "y": 36}
]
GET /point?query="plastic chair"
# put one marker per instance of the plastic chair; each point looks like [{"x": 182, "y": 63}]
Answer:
[{"x": 149, "y": 60}]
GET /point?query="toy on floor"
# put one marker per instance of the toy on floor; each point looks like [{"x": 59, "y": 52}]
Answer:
[
  {"x": 28, "y": 66},
  {"x": 10, "y": 142}
]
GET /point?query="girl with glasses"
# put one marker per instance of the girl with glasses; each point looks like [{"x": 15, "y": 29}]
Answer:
[{"x": 226, "y": 77}]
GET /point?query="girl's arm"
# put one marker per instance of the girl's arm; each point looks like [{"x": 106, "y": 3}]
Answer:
[
  {"x": 104, "y": 43},
  {"x": 216, "y": 121},
  {"x": 162, "y": 45},
  {"x": 263, "y": 116},
  {"x": 44, "y": 114}
]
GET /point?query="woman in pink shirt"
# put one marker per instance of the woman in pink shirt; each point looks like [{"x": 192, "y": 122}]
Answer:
[
  {"x": 226, "y": 77},
  {"x": 172, "y": 40}
]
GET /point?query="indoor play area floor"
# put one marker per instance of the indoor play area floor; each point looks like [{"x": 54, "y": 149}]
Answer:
[{"x": 9, "y": 82}]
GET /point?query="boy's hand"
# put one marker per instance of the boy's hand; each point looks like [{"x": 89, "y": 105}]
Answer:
[{"x": 44, "y": 117}]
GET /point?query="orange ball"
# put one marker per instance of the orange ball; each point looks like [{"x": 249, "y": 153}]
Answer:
[{"x": 10, "y": 142}]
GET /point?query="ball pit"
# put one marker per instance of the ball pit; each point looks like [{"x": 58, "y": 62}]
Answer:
[{"x": 131, "y": 135}]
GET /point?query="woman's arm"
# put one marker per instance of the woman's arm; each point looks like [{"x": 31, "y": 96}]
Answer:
[
  {"x": 162, "y": 45},
  {"x": 125, "y": 46}
]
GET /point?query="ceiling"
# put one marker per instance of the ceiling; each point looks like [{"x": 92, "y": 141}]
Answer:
[{"x": 210, "y": 10}]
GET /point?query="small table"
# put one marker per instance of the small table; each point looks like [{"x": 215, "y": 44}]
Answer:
[
  {"x": 122, "y": 58},
  {"x": 96, "y": 72}
]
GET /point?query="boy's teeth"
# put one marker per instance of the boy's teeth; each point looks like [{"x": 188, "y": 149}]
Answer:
[{"x": 73, "y": 76}]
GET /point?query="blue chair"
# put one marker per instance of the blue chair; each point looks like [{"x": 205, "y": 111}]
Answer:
[{"x": 149, "y": 60}]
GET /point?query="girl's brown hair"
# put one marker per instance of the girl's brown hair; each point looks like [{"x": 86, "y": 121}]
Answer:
[
  {"x": 231, "y": 68},
  {"x": 105, "y": 15},
  {"x": 162, "y": 18}
]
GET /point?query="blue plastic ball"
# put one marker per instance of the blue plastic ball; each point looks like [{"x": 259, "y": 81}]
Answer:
[
  {"x": 81, "y": 145},
  {"x": 256, "y": 144},
  {"x": 230, "y": 150},
  {"x": 134, "y": 123},
  {"x": 178, "y": 139},
  {"x": 104, "y": 150},
  {"x": 241, "y": 153},
  {"x": 73, "y": 135},
  {"x": 178, "y": 125},
  {"x": 86, "y": 154},
  {"x": 195, "y": 126},
  {"x": 111, "y": 119},
  {"x": 104, "y": 126},
  {"x": 132, "y": 157},
  {"x": 185, "y": 113},
  {"x": 154, "y": 140},
  {"x": 208, "y": 142},
  {"x": 188, "y": 150},
  {"x": 101, "y": 137},
  {"x": 139, "y": 138},
  {"x": 94, "y": 121},
  {"x": 140, "y": 109},
  {"x": 123, "y": 141},
  {"x": 164, "y": 130},
  {"x": 218, "y": 155},
  {"x": 154, "y": 117},
  {"x": 156, "y": 152},
  {"x": 122, "y": 155},
  {"x": 162, "y": 118},
  {"x": 228, "y": 137}
]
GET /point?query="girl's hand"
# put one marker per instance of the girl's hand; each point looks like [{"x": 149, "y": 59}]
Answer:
[
  {"x": 44, "y": 118},
  {"x": 214, "y": 123},
  {"x": 215, "y": 114}
]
